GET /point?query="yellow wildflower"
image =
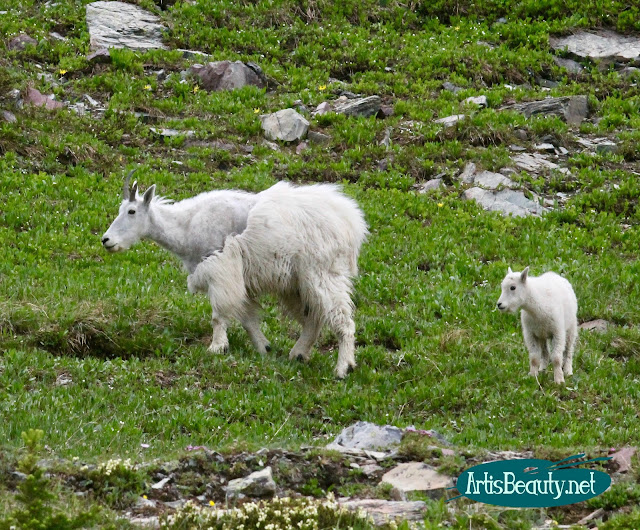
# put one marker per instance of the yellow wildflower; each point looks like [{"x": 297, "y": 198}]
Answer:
[
  {"x": 322, "y": 87},
  {"x": 62, "y": 72},
  {"x": 440, "y": 204},
  {"x": 211, "y": 503},
  {"x": 196, "y": 88},
  {"x": 144, "y": 497},
  {"x": 147, "y": 87},
  {"x": 256, "y": 111}
]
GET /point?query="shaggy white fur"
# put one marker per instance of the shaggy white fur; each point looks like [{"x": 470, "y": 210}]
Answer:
[
  {"x": 302, "y": 244},
  {"x": 549, "y": 312},
  {"x": 192, "y": 229}
]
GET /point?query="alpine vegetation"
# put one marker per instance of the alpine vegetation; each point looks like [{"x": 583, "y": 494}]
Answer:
[
  {"x": 192, "y": 229},
  {"x": 301, "y": 244},
  {"x": 549, "y": 312}
]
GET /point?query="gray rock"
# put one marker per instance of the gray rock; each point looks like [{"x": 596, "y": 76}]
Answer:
[
  {"x": 546, "y": 147},
  {"x": 506, "y": 201},
  {"x": 152, "y": 521},
  {"x": 430, "y": 185},
  {"x": 450, "y": 121},
  {"x": 599, "y": 325},
  {"x": 546, "y": 83},
  {"x": 9, "y": 117},
  {"x": 193, "y": 54},
  {"x": 227, "y": 75},
  {"x": 516, "y": 148},
  {"x": 492, "y": 181},
  {"x": 466, "y": 177},
  {"x": 365, "y": 107},
  {"x": 574, "y": 109},
  {"x": 629, "y": 71},
  {"x": 91, "y": 101},
  {"x": 170, "y": 133},
  {"x": 599, "y": 145},
  {"x": 286, "y": 125},
  {"x": 257, "y": 484},
  {"x": 18, "y": 476},
  {"x": 318, "y": 138},
  {"x": 100, "y": 56},
  {"x": 270, "y": 145},
  {"x": 481, "y": 101},
  {"x": 34, "y": 97},
  {"x": 365, "y": 435},
  {"x": 142, "y": 503},
  {"x": 601, "y": 45},
  {"x": 622, "y": 459},
  {"x": 521, "y": 134},
  {"x": 535, "y": 163},
  {"x": 302, "y": 146},
  {"x": 56, "y": 36},
  {"x": 121, "y": 25},
  {"x": 451, "y": 87},
  {"x": 322, "y": 108},
  {"x": 20, "y": 42},
  {"x": 418, "y": 476},
  {"x": 370, "y": 470},
  {"x": 161, "y": 484},
  {"x": 569, "y": 65},
  {"x": 384, "y": 511}
]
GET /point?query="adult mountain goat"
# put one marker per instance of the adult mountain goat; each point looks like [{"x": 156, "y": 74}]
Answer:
[
  {"x": 192, "y": 229},
  {"x": 301, "y": 244}
]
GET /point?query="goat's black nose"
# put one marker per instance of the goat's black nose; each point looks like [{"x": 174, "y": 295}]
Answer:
[
  {"x": 499, "y": 305},
  {"x": 104, "y": 240}
]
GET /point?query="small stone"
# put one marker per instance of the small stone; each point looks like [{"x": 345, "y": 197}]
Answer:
[
  {"x": 606, "y": 146},
  {"x": 193, "y": 54},
  {"x": 371, "y": 469},
  {"x": 161, "y": 484},
  {"x": 521, "y": 134},
  {"x": 621, "y": 459},
  {"x": 91, "y": 101},
  {"x": 171, "y": 133},
  {"x": 600, "y": 45},
  {"x": 227, "y": 75},
  {"x": 516, "y": 148},
  {"x": 318, "y": 138},
  {"x": 505, "y": 201},
  {"x": 383, "y": 164},
  {"x": 257, "y": 484},
  {"x": 396, "y": 494},
  {"x": 271, "y": 145},
  {"x": 466, "y": 177},
  {"x": 100, "y": 56},
  {"x": 629, "y": 71},
  {"x": 365, "y": 435},
  {"x": 362, "y": 107},
  {"x": 302, "y": 146},
  {"x": 546, "y": 147},
  {"x": 34, "y": 97},
  {"x": 574, "y": 109},
  {"x": 384, "y": 511},
  {"x": 385, "y": 111},
  {"x": 450, "y": 87},
  {"x": 161, "y": 75},
  {"x": 175, "y": 505},
  {"x": 9, "y": 117},
  {"x": 492, "y": 181},
  {"x": 593, "y": 515},
  {"x": 481, "y": 101},
  {"x": 599, "y": 325},
  {"x": 450, "y": 121},
  {"x": 418, "y": 476},
  {"x": 569, "y": 65},
  {"x": 347, "y": 94},
  {"x": 321, "y": 109},
  {"x": 286, "y": 125},
  {"x": 430, "y": 185},
  {"x": 546, "y": 83},
  {"x": 142, "y": 503},
  {"x": 20, "y": 42},
  {"x": 534, "y": 163}
]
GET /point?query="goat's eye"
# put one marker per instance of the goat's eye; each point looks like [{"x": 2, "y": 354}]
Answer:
[
  {"x": 513, "y": 287},
  {"x": 132, "y": 212}
]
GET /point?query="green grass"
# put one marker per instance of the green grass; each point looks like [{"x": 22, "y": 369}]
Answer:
[{"x": 432, "y": 352}]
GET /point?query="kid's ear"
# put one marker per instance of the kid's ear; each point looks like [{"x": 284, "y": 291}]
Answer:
[
  {"x": 525, "y": 273},
  {"x": 148, "y": 195},
  {"x": 509, "y": 271}
]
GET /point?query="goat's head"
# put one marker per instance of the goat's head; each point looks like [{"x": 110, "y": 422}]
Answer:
[
  {"x": 514, "y": 291},
  {"x": 132, "y": 222}
]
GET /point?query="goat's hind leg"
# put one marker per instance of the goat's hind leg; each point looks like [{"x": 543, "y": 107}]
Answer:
[
  {"x": 251, "y": 323},
  {"x": 310, "y": 327},
  {"x": 219, "y": 340},
  {"x": 535, "y": 347}
]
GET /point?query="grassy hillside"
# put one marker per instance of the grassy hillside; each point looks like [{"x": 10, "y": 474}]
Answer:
[{"x": 108, "y": 352}]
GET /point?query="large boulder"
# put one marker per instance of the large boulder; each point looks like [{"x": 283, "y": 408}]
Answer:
[
  {"x": 382, "y": 511},
  {"x": 505, "y": 201},
  {"x": 418, "y": 476},
  {"x": 574, "y": 109},
  {"x": 121, "y": 25},
  {"x": 227, "y": 75},
  {"x": 602, "y": 45},
  {"x": 286, "y": 125},
  {"x": 369, "y": 106},
  {"x": 368, "y": 436}
]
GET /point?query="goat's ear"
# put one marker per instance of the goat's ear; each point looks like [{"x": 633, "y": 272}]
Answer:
[
  {"x": 148, "y": 195},
  {"x": 524, "y": 275},
  {"x": 509, "y": 271}
]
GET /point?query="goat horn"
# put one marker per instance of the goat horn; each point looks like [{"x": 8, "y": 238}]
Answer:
[{"x": 126, "y": 191}]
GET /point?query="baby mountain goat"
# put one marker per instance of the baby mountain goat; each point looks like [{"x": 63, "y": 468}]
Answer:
[
  {"x": 549, "y": 311},
  {"x": 301, "y": 244}
]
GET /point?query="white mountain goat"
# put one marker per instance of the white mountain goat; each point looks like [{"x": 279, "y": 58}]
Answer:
[
  {"x": 549, "y": 312},
  {"x": 301, "y": 244},
  {"x": 192, "y": 229}
]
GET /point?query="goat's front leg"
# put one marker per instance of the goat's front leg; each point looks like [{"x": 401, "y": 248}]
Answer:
[
  {"x": 535, "y": 352},
  {"x": 557, "y": 353},
  {"x": 219, "y": 340}
]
